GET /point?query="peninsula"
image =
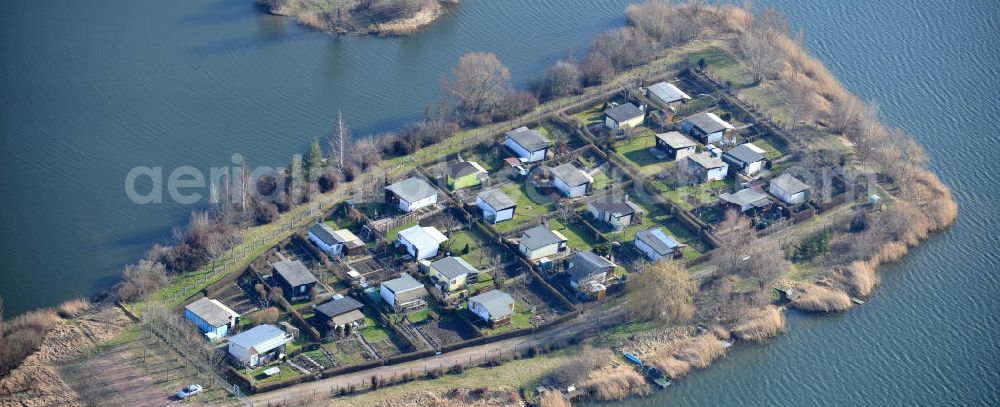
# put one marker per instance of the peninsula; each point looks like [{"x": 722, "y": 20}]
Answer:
[
  {"x": 617, "y": 226},
  {"x": 361, "y": 17}
]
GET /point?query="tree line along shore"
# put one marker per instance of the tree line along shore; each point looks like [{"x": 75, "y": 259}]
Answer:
[{"x": 756, "y": 64}]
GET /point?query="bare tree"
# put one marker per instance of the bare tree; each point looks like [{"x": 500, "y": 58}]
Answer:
[
  {"x": 138, "y": 280},
  {"x": 340, "y": 143},
  {"x": 734, "y": 236},
  {"x": 625, "y": 47},
  {"x": 663, "y": 292},
  {"x": 596, "y": 69},
  {"x": 478, "y": 83},
  {"x": 561, "y": 79},
  {"x": 758, "y": 46}
]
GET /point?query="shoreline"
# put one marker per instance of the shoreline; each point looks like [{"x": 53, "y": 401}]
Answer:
[
  {"x": 323, "y": 20},
  {"x": 858, "y": 277}
]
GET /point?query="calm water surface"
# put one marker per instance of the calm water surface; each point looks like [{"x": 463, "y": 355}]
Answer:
[{"x": 90, "y": 90}]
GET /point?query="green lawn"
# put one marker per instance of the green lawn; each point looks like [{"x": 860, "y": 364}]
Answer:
[
  {"x": 770, "y": 152},
  {"x": 372, "y": 332},
  {"x": 722, "y": 65},
  {"x": 601, "y": 180},
  {"x": 527, "y": 209},
  {"x": 695, "y": 195},
  {"x": 479, "y": 252},
  {"x": 693, "y": 244},
  {"x": 287, "y": 372},
  {"x": 485, "y": 281},
  {"x": 520, "y": 320},
  {"x": 592, "y": 115},
  {"x": 393, "y": 233},
  {"x": 578, "y": 236},
  {"x": 636, "y": 150},
  {"x": 417, "y": 316}
]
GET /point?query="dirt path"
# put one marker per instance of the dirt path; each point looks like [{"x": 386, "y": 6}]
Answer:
[{"x": 475, "y": 355}]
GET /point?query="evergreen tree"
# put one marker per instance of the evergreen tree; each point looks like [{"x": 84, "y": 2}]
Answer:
[{"x": 314, "y": 159}]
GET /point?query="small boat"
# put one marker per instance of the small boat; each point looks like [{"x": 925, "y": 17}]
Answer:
[
  {"x": 663, "y": 382},
  {"x": 633, "y": 358},
  {"x": 857, "y": 300}
]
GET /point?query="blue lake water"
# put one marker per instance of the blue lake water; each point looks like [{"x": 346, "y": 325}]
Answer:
[{"x": 91, "y": 90}]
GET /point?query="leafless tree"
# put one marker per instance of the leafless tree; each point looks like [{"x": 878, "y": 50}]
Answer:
[
  {"x": 561, "y": 79},
  {"x": 596, "y": 69},
  {"x": 734, "y": 236},
  {"x": 625, "y": 47},
  {"x": 340, "y": 143},
  {"x": 515, "y": 104},
  {"x": 577, "y": 369},
  {"x": 138, "y": 280},
  {"x": 663, "y": 292},
  {"x": 478, "y": 83},
  {"x": 267, "y": 315},
  {"x": 758, "y": 46},
  {"x": 670, "y": 24}
]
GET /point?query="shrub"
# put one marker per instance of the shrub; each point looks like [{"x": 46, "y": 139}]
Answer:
[{"x": 74, "y": 307}]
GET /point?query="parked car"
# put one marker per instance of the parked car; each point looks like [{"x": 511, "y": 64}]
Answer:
[{"x": 189, "y": 391}]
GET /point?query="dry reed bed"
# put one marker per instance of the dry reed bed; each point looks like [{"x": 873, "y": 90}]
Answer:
[
  {"x": 694, "y": 353},
  {"x": 821, "y": 299},
  {"x": 760, "y": 324}
]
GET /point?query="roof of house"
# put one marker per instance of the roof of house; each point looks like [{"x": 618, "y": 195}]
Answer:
[
  {"x": 404, "y": 283},
  {"x": 706, "y": 161},
  {"x": 789, "y": 184},
  {"x": 571, "y": 175},
  {"x": 708, "y": 122},
  {"x": 530, "y": 139},
  {"x": 261, "y": 338},
  {"x": 294, "y": 272},
  {"x": 412, "y": 189},
  {"x": 496, "y": 302},
  {"x": 211, "y": 311},
  {"x": 424, "y": 238},
  {"x": 616, "y": 206},
  {"x": 745, "y": 153},
  {"x": 347, "y": 317},
  {"x": 339, "y": 306},
  {"x": 453, "y": 267},
  {"x": 676, "y": 140},
  {"x": 658, "y": 241},
  {"x": 324, "y": 232},
  {"x": 496, "y": 199},
  {"x": 459, "y": 169},
  {"x": 623, "y": 112},
  {"x": 540, "y": 236},
  {"x": 585, "y": 264},
  {"x": 667, "y": 92},
  {"x": 407, "y": 296},
  {"x": 329, "y": 236},
  {"x": 746, "y": 196},
  {"x": 346, "y": 236}
]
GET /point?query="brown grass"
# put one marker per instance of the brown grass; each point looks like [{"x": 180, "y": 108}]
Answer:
[
  {"x": 821, "y": 299},
  {"x": 553, "y": 399},
  {"x": 891, "y": 253},
  {"x": 860, "y": 278},
  {"x": 760, "y": 324},
  {"x": 22, "y": 335},
  {"x": 693, "y": 353},
  {"x": 73, "y": 308},
  {"x": 616, "y": 383}
]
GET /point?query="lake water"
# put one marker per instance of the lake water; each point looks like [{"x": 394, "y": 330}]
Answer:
[{"x": 91, "y": 90}]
